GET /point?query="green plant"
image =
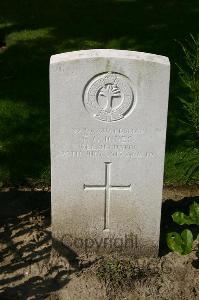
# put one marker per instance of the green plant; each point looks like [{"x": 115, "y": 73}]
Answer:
[
  {"x": 183, "y": 243},
  {"x": 182, "y": 167},
  {"x": 190, "y": 163},
  {"x": 46, "y": 176},
  {"x": 189, "y": 74}
]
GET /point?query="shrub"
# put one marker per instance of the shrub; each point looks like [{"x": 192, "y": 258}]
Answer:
[{"x": 189, "y": 74}]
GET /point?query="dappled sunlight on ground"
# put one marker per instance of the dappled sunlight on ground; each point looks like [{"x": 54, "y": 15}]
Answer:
[{"x": 31, "y": 270}]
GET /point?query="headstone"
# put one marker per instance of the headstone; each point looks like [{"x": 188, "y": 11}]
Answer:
[{"x": 108, "y": 129}]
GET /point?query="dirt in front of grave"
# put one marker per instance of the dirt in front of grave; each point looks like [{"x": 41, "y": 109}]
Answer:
[{"x": 29, "y": 269}]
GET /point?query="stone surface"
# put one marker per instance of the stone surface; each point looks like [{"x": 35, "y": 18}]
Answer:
[{"x": 108, "y": 129}]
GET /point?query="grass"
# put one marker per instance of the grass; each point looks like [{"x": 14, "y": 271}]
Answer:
[{"x": 31, "y": 31}]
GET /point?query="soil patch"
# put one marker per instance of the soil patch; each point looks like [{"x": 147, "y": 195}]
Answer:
[{"x": 29, "y": 269}]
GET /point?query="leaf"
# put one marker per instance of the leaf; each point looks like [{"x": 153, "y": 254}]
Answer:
[
  {"x": 174, "y": 242},
  {"x": 187, "y": 238},
  {"x": 182, "y": 244},
  {"x": 194, "y": 213},
  {"x": 180, "y": 218},
  {"x": 193, "y": 218},
  {"x": 192, "y": 170},
  {"x": 184, "y": 101}
]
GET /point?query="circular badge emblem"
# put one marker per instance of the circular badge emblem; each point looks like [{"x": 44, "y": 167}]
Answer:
[{"x": 109, "y": 97}]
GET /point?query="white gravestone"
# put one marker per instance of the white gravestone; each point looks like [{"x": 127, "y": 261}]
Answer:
[{"x": 108, "y": 129}]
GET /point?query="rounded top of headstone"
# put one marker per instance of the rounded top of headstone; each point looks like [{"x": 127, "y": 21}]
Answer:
[{"x": 109, "y": 53}]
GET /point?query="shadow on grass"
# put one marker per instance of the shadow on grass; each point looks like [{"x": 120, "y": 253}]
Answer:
[{"x": 32, "y": 31}]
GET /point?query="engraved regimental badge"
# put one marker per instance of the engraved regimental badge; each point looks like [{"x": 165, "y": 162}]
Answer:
[{"x": 109, "y": 97}]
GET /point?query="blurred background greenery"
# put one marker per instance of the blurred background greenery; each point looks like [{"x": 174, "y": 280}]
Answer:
[{"x": 32, "y": 30}]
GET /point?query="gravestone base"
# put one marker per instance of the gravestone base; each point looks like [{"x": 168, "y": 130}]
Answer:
[{"x": 129, "y": 246}]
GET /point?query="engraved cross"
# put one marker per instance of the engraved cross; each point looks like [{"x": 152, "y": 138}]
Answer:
[{"x": 107, "y": 187}]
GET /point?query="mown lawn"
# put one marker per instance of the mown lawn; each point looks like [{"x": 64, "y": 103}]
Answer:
[{"x": 32, "y": 30}]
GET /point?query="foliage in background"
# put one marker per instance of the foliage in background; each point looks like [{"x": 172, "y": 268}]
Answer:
[
  {"x": 183, "y": 243},
  {"x": 30, "y": 34},
  {"x": 181, "y": 167},
  {"x": 189, "y": 75}
]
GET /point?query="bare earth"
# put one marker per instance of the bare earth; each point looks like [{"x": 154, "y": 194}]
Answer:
[{"x": 29, "y": 269}]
